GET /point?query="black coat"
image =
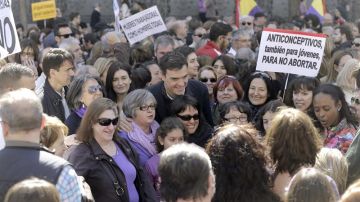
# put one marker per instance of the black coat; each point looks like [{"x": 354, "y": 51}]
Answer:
[
  {"x": 194, "y": 88},
  {"x": 91, "y": 162},
  {"x": 51, "y": 102}
]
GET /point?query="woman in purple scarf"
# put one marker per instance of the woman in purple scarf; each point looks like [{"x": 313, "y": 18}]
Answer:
[
  {"x": 139, "y": 105},
  {"x": 83, "y": 90}
]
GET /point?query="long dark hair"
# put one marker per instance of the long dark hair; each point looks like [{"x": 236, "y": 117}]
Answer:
[
  {"x": 114, "y": 67},
  {"x": 338, "y": 95},
  {"x": 239, "y": 161}
]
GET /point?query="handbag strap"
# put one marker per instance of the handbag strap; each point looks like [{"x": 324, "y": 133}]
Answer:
[{"x": 109, "y": 170}]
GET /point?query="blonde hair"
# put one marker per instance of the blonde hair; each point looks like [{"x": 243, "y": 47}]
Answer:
[
  {"x": 52, "y": 130},
  {"x": 345, "y": 79},
  {"x": 32, "y": 190},
  {"x": 102, "y": 64},
  {"x": 352, "y": 194},
  {"x": 333, "y": 163}
]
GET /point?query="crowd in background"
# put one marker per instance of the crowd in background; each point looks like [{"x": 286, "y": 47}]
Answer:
[{"x": 102, "y": 117}]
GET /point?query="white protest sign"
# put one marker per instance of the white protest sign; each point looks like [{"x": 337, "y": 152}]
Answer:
[
  {"x": 9, "y": 41},
  {"x": 291, "y": 52},
  {"x": 143, "y": 24},
  {"x": 2, "y": 140}
]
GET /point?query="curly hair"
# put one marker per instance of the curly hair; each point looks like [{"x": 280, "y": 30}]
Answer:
[
  {"x": 293, "y": 141},
  {"x": 239, "y": 164}
]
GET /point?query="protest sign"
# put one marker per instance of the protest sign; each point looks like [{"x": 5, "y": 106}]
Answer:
[
  {"x": 2, "y": 140},
  {"x": 43, "y": 10},
  {"x": 9, "y": 42},
  {"x": 290, "y": 52},
  {"x": 143, "y": 24},
  {"x": 117, "y": 15}
]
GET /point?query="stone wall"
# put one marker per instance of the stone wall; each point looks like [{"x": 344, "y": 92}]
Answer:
[{"x": 179, "y": 8}]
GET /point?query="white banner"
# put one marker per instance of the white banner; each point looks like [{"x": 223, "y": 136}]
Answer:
[
  {"x": 2, "y": 139},
  {"x": 9, "y": 42},
  {"x": 116, "y": 15},
  {"x": 291, "y": 52},
  {"x": 143, "y": 24}
]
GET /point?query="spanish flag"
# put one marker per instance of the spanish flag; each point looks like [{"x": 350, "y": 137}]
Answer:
[
  {"x": 246, "y": 7},
  {"x": 318, "y": 8}
]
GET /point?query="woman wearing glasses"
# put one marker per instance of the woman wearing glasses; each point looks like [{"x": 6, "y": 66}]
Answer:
[
  {"x": 83, "y": 90},
  {"x": 187, "y": 109},
  {"x": 207, "y": 76},
  {"x": 107, "y": 162},
  {"x": 235, "y": 112},
  {"x": 139, "y": 106}
]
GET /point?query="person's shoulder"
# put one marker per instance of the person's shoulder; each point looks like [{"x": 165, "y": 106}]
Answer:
[
  {"x": 195, "y": 86},
  {"x": 156, "y": 88}
]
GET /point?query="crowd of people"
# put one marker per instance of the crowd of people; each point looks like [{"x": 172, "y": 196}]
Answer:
[{"x": 180, "y": 116}]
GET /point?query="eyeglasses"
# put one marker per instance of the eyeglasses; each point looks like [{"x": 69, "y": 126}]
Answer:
[
  {"x": 107, "y": 122},
  {"x": 355, "y": 101},
  {"x": 189, "y": 117},
  {"x": 248, "y": 23},
  {"x": 147, "y": 107},
  {"x": 204, "y": 80},
  {"x": 356, "y": 44},
  {"x": 65, "y": 35},
  {"x": 93, "y": 89},
  {"x": 198, "y": 35},
  {"x": 234, "y": 119}
]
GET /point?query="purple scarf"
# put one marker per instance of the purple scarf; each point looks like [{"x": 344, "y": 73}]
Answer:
[
  {"x": 138, "y": 135},
  {"x": 80, "y": 111}
]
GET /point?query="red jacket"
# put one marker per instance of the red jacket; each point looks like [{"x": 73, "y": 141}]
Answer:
[{"x": 211, "y": 49}]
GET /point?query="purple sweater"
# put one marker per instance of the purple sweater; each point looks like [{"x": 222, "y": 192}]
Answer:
[{"x": 151, "y": 168}]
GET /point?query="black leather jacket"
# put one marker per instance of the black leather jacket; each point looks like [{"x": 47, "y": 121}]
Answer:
[{"x": 100, "y": 172}]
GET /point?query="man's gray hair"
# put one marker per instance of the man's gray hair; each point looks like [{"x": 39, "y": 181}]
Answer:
[
  {"x": 240, "y": 32},
  {"x": 164, "y": 40},
  {"x": 10, "y": 75},
  {"x": 21, "y": 110},
  {"x": 69, "y": 43},
  {"x": 136, "y": 99}
]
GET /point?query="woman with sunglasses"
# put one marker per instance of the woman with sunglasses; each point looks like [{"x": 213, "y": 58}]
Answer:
[
  {"x": 139, "y": 106},
  {"x": 207, "y": 76},
  {"x": 187, "y": 109},
  {"x": 339, "y": 124},
  {"x": 227, "y": 89},
  {"x": 106, "y": 161},
  {"x": 83, "y": 90},
  {"x": 258, "y": 91}
]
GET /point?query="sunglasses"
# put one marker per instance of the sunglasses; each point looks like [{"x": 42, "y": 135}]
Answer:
[
  {"x": 106, "y": 122},
  {"x": 204, "y": 80},
  {"x": 355, "y": 101},
  {"x": 147, "y": 107},
  {"x": 93, "y": 89},
  {"x": 356, "y": 44},
  {"x": 248, "y": 23},
  {"x": 189, "y": 117},
  {"x": 65, "y": 35}
]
